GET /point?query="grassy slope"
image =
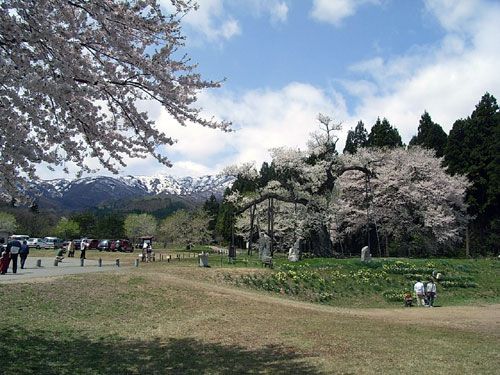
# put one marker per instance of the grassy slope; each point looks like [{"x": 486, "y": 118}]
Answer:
[{"x": 165, "y": 318}]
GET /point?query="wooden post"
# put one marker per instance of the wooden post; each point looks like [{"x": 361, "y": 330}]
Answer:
[
  {"x": 56, "y": 262},
  {"x": 117, "y": 262},
  {"x": 38, "y": 262},
  {"x": 467, "y": 241},
  {"x": 99, "y": 262},
  {"x": 137, "y": 262},
  {"x": 82, "y": 261}
]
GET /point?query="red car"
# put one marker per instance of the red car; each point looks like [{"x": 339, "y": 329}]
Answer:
[{"x": 122, "y": 245}]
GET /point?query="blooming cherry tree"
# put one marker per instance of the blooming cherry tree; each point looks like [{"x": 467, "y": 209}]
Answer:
[
  {"x": 410, "y": 195},
  {"x": 72, "y": 73}
]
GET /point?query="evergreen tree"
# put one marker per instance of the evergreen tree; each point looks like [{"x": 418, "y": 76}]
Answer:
[
  {"x": 430, "y": 135},
  {"x": 267, "y": 173},
  {"x": 473, "y": 150},
  {"x": 211, "y": 207},
  {"x": 225, "y": 219},
  {"x": 383, "y": 134},
  {"x": 356, "y": 138}
]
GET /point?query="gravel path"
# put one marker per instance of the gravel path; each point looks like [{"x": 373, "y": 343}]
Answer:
[{"x": 69, "y": 266}]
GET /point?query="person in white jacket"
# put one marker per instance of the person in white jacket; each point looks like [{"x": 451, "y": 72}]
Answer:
[
  {"x": 430, "y": 290},
  {"x": 419, "y": 292}
]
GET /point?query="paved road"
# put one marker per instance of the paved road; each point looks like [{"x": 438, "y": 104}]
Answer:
[{"x": 69, "y": 266}]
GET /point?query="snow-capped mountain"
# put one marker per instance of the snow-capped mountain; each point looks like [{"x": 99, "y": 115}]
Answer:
[{"x": 93, "y": 191}]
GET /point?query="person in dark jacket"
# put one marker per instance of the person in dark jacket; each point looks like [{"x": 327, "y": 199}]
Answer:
[
  {"x": 14, "y": 246},
  {"x": 23, "y": 253}
]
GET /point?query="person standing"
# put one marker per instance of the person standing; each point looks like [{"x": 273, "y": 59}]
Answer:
[
  {"x": 4, "y": 261},
  {"x": 14, "y": 246},
  {"x": 23, "y": 253},
  {"x": 71, "y": 249},
  {"x": 83, "y": 248},
  {"x": 419, "y": 292},
  {"x": 430, "y": 292}
]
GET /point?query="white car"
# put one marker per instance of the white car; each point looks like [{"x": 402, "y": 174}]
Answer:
[
  {"x": 38, "y": 243},
  {"x": 53, "y": 242}
]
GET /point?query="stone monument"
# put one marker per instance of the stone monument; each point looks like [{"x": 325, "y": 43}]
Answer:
[
  {"x": 203, "y": 259},
  {"x": 294, "y": 252},
  {"x": 264, "y": 246},
  {"x": 365, "y": 254}
]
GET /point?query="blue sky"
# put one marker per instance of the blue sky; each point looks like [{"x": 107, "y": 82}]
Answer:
[{"x": 285, "y": 61}]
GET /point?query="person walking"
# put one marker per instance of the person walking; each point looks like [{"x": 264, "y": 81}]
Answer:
[
  {"x": 4, "y": 261},
  {"x": 419, "y": 292},
  {"x": 83, "y": 248},
  {"x": 71, "y": 249},
  {"x": 430, "y": 290},
  {"x": 14, "y": 246},
  {"x": 23, "y": 253}
]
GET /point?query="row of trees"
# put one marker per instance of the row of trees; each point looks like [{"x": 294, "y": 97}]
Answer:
[{"x": 421, "y": 200}]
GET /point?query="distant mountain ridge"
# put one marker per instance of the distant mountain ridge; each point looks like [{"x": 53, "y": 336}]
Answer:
[{"x": 94, "y": 191}]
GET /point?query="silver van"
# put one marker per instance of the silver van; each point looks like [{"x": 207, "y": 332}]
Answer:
[{"x": 53, "y": 242}]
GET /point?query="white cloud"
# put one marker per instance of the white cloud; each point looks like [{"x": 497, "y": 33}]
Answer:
[
  {"x": 278, "y": 11},
  {"x": 335, "y": 11},
  {"x": 211, "y": 20},
  {"x": 446, "y": 79},
  {"x": 214, "y": 22},
  {"x": 263, "y": 119}
]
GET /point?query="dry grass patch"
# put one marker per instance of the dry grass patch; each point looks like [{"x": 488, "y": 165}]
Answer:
[{"x": 166, "y": 318}]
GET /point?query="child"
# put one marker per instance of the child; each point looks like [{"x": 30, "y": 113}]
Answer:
[{"x": 408, "y": 299}]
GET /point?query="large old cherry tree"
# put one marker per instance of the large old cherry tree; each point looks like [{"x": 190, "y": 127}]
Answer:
[
  {"x": 322, "y": 198},
  {"x": 71, "y": 75}
]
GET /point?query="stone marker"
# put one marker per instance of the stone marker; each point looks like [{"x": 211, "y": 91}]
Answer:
[
  {"x": 365, "y": 254},
  {"x": 56, "y": 262},
  {"x": 294, "y": 252},
  {"x": 38, "y": 262},
  {"x": 264, "y": 246},
  {"x": 203, "y": 259}
]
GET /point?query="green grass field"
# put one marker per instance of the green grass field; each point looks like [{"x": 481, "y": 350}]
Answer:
[{"x": 177, "y": 318}]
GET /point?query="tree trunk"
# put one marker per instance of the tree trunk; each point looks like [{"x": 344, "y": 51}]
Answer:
[
  {"x": 252, "y": 219},
  {"x": 320, "y": 242}
]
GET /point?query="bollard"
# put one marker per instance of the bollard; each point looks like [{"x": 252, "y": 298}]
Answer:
[
  {"x": 137, "y": 262},
  {"x": 38, "y": 262},
  {"x": 56, "y": 262},
  {"x": 99, "y": 262},
  {"x": 118, "y": 262},
  {"x": 82, "y": 262}
]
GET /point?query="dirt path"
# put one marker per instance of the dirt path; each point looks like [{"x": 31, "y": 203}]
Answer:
[{"x": 478, "y": 318}]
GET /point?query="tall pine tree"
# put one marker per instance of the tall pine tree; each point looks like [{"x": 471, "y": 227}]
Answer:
[
  {"x": 383, "y": 134},
  {"x": 430, "y": 135},
  {"x": 473, "y": 150},
  {"x": 356, "y": 138}
]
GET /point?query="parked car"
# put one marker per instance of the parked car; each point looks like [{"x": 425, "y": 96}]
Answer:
[
  {"x": 104, "y": 245},
  {"x": 19, "y": 237},
  {"x": 37, "y": 243},
  {"x": 77, "y": 244},
  {"x": 53, "y": 242},
  {"x": 122, "y": 245}
]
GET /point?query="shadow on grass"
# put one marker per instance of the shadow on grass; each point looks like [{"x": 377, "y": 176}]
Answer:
[{"x": 44, "y": 352}]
